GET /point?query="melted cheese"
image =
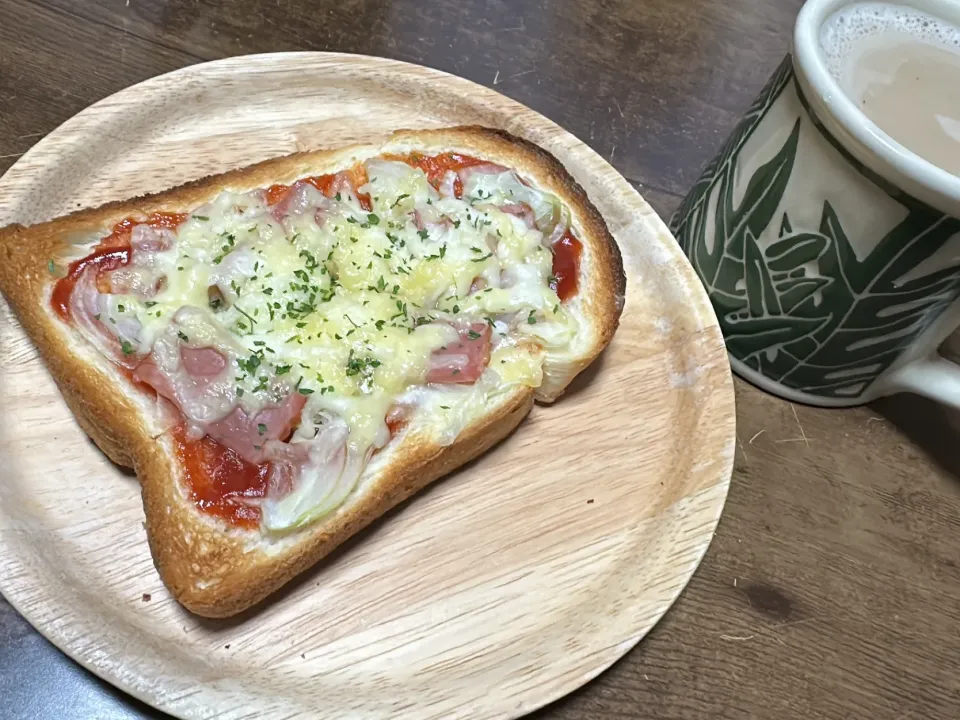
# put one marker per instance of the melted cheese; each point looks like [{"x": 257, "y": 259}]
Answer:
[{"x": 346, "y": 306}]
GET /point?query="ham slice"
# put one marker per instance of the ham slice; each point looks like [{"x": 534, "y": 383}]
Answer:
[
  {"x": 298, "y": 199},
  {"x": 149, "y": 373},
  {"x": 247, "y": 434},
  {"x": 346, "y": 182},
  {"x": 463, "y": 361},
  {"x": 140, "y": 276},
  {"x": 417, "y": 220},
  {"x": 199, "y": 383},
  {"x": 311, "y": 478},
  {"x": 464, "y": 174},
  {"x": 342, "y": 184},
  {"x": 202, "y": 367},
  {"x": 202, "y": 362},
  {"x": 316, "y": 193},
  {"x": 88, "y": 307},
  {"x": 522, "y": 211},
  {"x": 132, "y": 280},
  {"x": 147, "y": 239},
  {"x": 328, "y": 452},
  {"x": 519, "y": 209},
  {"x": 429, "y": 218}
]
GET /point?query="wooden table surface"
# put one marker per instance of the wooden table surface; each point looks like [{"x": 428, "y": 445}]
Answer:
[{"x": 832, "y": 588}]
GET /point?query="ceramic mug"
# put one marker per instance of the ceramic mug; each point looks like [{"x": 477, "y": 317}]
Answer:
[{"x": 830, "y": 252}]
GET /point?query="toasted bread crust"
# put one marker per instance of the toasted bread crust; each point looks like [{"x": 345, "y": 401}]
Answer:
[
  {"x": 212, "y": 569},
  {"x": 184, "y": 541}
]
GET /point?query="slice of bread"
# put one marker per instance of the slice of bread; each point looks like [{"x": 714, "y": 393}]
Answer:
[{"x": 215, "y": 569}]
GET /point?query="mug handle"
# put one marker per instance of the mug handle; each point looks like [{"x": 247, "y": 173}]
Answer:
[{"x": 932, "y": 377}]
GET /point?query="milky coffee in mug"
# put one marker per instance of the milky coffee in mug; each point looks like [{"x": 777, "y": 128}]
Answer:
[
  {"x": 902, "y": 69},
  {"x": 827, "y": 229}
]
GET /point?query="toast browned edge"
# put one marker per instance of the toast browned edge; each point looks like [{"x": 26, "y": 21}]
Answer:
[{"x": 211, "y": 569}]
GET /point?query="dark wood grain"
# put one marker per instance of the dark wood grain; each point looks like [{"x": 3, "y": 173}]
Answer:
[{"x": 831, "y": 589}]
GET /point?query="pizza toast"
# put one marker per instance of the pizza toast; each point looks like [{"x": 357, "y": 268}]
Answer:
[{"x": 285, "y": 352}]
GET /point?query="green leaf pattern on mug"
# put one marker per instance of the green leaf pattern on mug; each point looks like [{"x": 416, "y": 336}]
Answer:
[{"x": 804, "y": 311}]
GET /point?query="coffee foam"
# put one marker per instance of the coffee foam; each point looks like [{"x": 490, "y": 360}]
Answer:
[{"x": 846, "y": 31}]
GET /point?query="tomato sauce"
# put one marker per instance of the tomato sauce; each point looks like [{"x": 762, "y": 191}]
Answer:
[
  {"x": 323, "y": 183},
  {"x": 275, "y": 193},
  {"x": 357, "y": 176},
  {"x": 436, "y": 166},
  {"x": 120, "y": 237},
  {"x": 397, "y": 418},
  {"x": 103, "y": 258},
  {"x": 112, "y": 252},
  {"x": 221, "y": 482},
  {"x": 566, "y": 266}
]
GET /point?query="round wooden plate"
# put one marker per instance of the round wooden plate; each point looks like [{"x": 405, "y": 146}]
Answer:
[{"x": 497, "y": 590}]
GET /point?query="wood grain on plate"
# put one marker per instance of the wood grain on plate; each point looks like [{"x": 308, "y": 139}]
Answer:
[{"x": 497, "y": 590}]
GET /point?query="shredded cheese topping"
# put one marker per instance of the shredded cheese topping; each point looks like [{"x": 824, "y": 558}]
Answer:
[{"x": 346, "y": 306}]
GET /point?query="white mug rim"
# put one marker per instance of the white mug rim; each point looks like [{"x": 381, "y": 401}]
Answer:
[{"x": 843, "y": 119}]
